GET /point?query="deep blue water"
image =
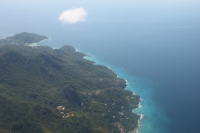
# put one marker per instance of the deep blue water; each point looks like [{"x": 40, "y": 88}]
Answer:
[
  {"x": 154, "y": 45},
  {"x": 165, "y": 76},
  {"x": 152, "y": 116}
]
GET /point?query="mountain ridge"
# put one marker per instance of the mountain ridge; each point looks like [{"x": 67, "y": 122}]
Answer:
[
  {"x": 23, "y": 39},
  {"x": 56, "y": 90}
]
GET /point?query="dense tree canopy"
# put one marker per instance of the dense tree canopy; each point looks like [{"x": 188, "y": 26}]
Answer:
[{"x": 34, "y": 81}]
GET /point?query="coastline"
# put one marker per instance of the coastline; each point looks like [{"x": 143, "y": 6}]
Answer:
[
  {"x": 121, "y": 100},
  {"x": 109, "y": 103},
  {"x": 134, "y": 85},
  {"x": 136, "y": 130},
  {"x": 35, "y": 44}
]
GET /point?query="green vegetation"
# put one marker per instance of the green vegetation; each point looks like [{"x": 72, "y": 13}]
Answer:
[
  {"x": 23, "y": 38},
  {"x": 34, "y": 81}
]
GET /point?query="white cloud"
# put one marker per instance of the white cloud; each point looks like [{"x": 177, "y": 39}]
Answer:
[{"x": 73, "y": 15}]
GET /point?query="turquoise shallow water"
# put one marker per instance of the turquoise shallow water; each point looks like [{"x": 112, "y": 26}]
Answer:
[
  {"x": 156, "y": 42},
  {"x": 153, "y": 119}
]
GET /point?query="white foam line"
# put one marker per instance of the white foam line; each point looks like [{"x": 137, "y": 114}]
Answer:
[
  {"x": 140, "y": 99},
  {"x": 32, "y": 44},
  {"x": 44, "y": 40},
  {"x": 108, "y": 67},
  {"x": 54, "y": 48},
  {"x": 137, "y": 130},
  {"x": 126, "y": 82},
  {"x": 141, "y": 117},
  {"x": 139, "y": 105},
  {"x": 86, "y": 56}
]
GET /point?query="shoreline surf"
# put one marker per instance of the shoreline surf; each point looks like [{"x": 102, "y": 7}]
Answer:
[
  {"x": 136, "y": 130},
  {"x": 142, "y": 87}
]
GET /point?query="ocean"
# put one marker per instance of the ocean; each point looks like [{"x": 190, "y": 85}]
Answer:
[
  {"x": 153, "y": 45},
  {"x": 148, "y": 108},
  {"x": 167, "y": 79}
]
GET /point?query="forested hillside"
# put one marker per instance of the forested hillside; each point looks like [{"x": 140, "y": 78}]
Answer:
[{"x": 45, "y": 90}]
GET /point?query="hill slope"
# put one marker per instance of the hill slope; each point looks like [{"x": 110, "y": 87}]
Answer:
[
  {"x": 23, "y": 38},
  {"x": 45, "y": 90}
]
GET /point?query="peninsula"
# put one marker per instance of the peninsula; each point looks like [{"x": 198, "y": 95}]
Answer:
[
  {"x": 45, "y": 90},
  {"x": 22, "y": 39}
]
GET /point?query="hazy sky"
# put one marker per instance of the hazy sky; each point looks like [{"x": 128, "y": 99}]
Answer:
[
  {"x": 160, "y": 37},
  {"x": 123, "y": 10},
  {"x": 20, "y": 14}
]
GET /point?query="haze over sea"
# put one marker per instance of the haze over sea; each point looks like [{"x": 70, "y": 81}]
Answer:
[{"x": 154, "y": 45}]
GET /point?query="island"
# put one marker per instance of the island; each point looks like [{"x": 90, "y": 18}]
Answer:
[
  {"x": 23, "y": 39},
  {"x": 46, "y": 90}
]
